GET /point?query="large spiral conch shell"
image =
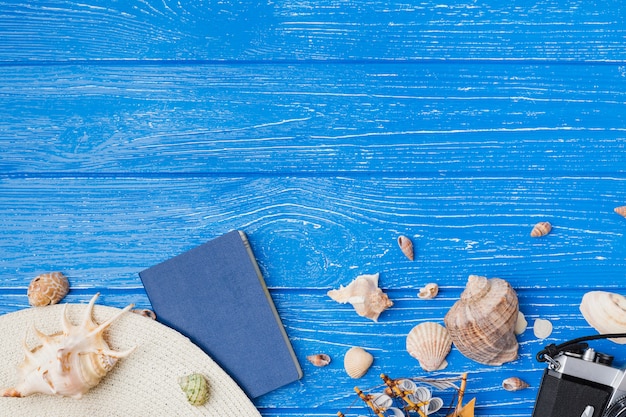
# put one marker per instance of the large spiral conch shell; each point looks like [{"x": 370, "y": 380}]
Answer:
[
  {"x": 482, "y": 322},
  {"x": 429, "y": 343},
  {"x": 68, "y": 363},
  {"x": 47, "y": 289},
  {"x": 605, "y": 312},
  {"x": 363, "y": 293}
]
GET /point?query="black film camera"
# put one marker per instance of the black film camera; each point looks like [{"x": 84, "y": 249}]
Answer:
[{"x": 580, "y": 382}]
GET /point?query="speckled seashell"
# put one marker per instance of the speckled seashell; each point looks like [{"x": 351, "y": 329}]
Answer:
[
  {"x": 319, "y": 359},
  {"x": 482, "y": 322},
  {"x": 605, "y": 312},
  {"x": 514, "y": 384},
  {"x": 621, "y": 210},
  {"x": 542, "y": 328},
  {"x": 68, "y": 363},
  {"x": 195, "y": 387},
  {"x": 357, "y": 361},
  {"x": 363, "y": 293},
  {"x": 47, "y": 289},
  {"x": 541, "y": 229},
  {"x": 429, "y": 343},
  {"x": 145, "y": 313},
  {"x": 406, "y": 246},
  {"x": 429, "y": 291}
]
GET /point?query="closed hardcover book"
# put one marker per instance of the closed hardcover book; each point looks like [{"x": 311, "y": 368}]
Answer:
[{"x": 216, "y": 296}]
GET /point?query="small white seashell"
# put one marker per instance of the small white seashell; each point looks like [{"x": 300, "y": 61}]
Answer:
[
  {"x": 363, "y": 293},
  {"x": 542, "y": 328},
  {"x": 541, "y": 229},
  {"x": 195, "y": 387},
  {"x": 406, "y": 246},
  {"x": 429, "y": 343},
  {"x": 605, "y": 312},
  {"x": 357, "y": 361},
  {"x": 47, "y": 289},
  {"x": 514, "y": 384},
  {"x": 521, "y": 324},
  {"x": 429, "y": 291},
  {"x": 319, "y": 360}
]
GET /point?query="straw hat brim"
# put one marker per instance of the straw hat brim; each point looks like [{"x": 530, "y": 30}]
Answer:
[{"x": 142, "y": 384}]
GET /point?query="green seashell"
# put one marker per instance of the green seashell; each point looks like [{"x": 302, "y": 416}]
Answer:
[{"x": 195, "y": 387}]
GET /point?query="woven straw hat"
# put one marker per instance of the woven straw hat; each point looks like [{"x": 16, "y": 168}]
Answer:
[{"x": 142, "y": 384}]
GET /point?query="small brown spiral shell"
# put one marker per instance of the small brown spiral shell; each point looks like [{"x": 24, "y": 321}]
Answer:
[{"x": 47, "y": 289}]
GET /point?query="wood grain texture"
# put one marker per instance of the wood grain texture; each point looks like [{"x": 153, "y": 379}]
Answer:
[
  {"x": 131, "y": 131},
  {"x": 560, "y": 30},
  {"x": 437, "y": 118}
]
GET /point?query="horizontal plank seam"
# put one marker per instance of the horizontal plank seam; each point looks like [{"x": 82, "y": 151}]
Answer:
[{"x": 313, "y": 61}]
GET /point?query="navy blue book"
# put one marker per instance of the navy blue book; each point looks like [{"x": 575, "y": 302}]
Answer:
[{"x": 216, "y": 296}]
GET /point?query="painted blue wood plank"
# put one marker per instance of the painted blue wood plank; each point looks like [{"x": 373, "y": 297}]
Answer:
[
  {"x": 315, "y": 232},
  {"x": 319, "y": 118},
  {"x": 57, "y": 30}
]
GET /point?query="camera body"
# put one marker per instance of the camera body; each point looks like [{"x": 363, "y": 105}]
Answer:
[{"x": 581, "y": 384}]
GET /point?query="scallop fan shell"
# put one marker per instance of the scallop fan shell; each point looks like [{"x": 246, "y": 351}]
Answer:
[
  {"x": 47, "y": 289},
  {"x": 429, "y": 343},
  {"x": 605, "y": 312},
  {"x": 482, "y": 322},
  {"x": 363, "y": 293},
  {"x": 357, "y": 361}
]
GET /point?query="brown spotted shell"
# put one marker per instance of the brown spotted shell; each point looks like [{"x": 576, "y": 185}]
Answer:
[
  {"x": 482, "y": 323},
  {"x": 195, "y": 387},
  {"x": 47, "y": 289},
  {"x": 541, "y": 229}
]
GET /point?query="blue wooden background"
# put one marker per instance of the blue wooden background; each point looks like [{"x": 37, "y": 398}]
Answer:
[{"x": 131, "y": 131}]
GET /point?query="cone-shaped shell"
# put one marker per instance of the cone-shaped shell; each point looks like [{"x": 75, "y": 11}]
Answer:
[
  {"x": 47, "y": 289},
  {"x": 429, "y": 343},
  {"x": 605, "y": 312},
  {"x": 357, "y": 361},
  {"x": 482, "y": 323},
  {"x": 406, "y": 246},
  {"x": 363, "y": 293}
]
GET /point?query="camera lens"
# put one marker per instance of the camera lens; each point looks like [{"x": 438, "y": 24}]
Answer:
[{"x": 604, "y": 359}]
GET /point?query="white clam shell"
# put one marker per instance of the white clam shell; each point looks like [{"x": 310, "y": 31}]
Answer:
[
  {"x": 357, "y": 361},
  {"x": 605, "y": 312},
  {"x": 521, "y": 324},
  {"x": 363, "y": 293},
  {"x": 542, "y": 328},
  {"x": 429, "y": 343}
]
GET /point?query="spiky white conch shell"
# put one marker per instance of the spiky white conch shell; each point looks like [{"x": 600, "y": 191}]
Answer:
[
  {"x": 605, "y": 312},
  {"x": 70, "y": 362},
  {"x": 363, "y": 293}
]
